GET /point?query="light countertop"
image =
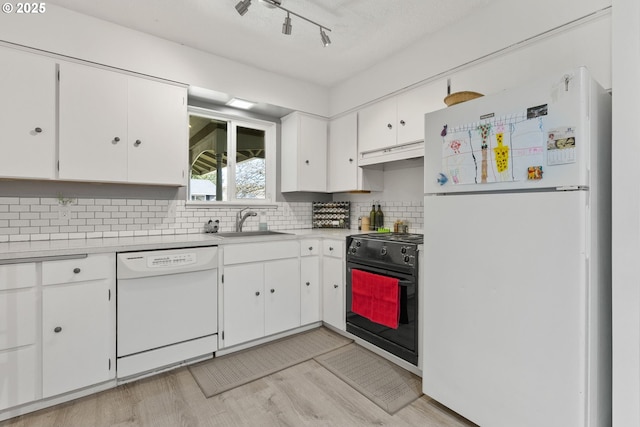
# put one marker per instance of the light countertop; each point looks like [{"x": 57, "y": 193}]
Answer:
[{"x": 48, "y": 248}]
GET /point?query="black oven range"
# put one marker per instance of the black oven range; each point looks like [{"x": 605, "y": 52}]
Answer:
[{"x": 382, "y": 291}]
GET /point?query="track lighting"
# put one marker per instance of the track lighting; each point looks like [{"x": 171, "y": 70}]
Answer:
[
  {"x": 326, "y": 41},
  {"x": 286, "y": 27},
  {"x": 243, "y": 6}
]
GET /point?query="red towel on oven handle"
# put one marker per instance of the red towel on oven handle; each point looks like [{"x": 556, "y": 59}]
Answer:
[{"x": 375, "y": 297}]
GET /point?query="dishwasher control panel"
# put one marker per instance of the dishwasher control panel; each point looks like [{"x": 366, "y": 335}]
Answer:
[
  {"x": 131, "y": 265},
  {"x": 172, "y": 260}
]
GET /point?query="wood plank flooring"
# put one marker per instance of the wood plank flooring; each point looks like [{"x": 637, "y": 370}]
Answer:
[{"x": 303, "y": 395}]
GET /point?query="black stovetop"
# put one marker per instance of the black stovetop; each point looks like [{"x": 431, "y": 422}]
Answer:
[{"x": 396, "y": 237}]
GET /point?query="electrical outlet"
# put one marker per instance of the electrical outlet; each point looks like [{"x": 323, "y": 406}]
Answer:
[{"x": 64, "y": 212}]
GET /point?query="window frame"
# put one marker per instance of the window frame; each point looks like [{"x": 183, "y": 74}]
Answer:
[{"x": 233, "y": 121}]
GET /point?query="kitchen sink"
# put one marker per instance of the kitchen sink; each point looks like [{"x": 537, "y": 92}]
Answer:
[{"x": 249, "y": 233}]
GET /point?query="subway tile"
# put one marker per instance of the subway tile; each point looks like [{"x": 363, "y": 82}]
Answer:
[
  {"x": 39, "y": 208},
  {"x": 39, "y": 237},
  {"x": 29, "y": 215},
  {"x": 9, "y": 200},
  {"x": 29, "y": 201}
]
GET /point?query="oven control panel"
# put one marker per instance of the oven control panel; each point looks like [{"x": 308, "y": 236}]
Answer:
[{"x": 393, "y": 253}]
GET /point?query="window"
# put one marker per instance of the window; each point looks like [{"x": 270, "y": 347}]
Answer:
[{"x": 232, "y": 159}]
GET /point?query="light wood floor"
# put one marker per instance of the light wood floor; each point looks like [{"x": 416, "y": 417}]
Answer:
[{"x": 303, "y": 395}]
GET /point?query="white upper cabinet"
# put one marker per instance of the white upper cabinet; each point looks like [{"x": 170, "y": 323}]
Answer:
[
  {"x": 343, "y": 173},
  {"x": 158, "y": 129},
  {"x": 27, "y": 115},
  {"x": 303, "y": 153},
  {"x": 120, "y": 128},
  {"x": 377, "y": 125},
  {"x": 93, "y": 124},
  {"x": 394, "y": 125}
]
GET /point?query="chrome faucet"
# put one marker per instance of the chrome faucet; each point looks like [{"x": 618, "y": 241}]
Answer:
[{"x": 240, "y": 218}]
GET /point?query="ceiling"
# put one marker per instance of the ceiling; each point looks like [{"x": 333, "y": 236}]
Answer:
[{"x": 363, "y": 32}]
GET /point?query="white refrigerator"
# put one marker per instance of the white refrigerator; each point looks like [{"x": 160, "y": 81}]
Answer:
[{"x": 517, "y": 255}]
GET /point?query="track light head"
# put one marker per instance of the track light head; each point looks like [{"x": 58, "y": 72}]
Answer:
[
  {"x": 286, "y": 26},
  {"x": 326, "y": 41},
  {"x": 243, "y": 6}
]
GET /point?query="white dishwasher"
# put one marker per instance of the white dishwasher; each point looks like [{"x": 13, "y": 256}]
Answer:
[{"x": 166, "y": 308}]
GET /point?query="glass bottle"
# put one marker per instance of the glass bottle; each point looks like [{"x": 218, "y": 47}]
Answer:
[
  {"x": 372, "y": 217},
  {"x": 379, "y": 218}
]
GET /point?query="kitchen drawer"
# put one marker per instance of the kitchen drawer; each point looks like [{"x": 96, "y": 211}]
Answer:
[
  {"x": 18, "y": 370},
  {"x": 333, "y": 248},
  {"x": 92, "y": 267},
  {"x": 256, "y": 252},
  {"x": 14, "y": 276},
  {"x": 17, "y": 318},
  {"x": 309, "y": 247}
]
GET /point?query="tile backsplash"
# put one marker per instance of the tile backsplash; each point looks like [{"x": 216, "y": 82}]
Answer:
[
  {"x": 40, "y": 218},
  {"x": 24, "y": 219}
]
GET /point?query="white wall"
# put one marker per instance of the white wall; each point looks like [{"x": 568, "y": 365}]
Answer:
[
  {"x": 501, "y": 25},
  {"x": 626, "y": 213},
  {"x": 65, "y": 32}
]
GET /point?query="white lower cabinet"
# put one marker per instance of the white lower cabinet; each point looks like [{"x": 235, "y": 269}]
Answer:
[
  {"x": 57, "y": 327},
  {"x": 333, "y": 284},
  {"x": 260, "y": 291},
  {"x": 310, "y": 285},
  {"x": 243, "y": 303},
  {"x": 282, "y": 296},
  {"x": 78, "y": 349},
  {"x": 18, "y": 334}
]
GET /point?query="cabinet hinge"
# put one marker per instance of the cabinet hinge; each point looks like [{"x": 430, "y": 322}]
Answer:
[
  {"x": 58, "y": 75},
  {"x": 109, "y": 363},
  {"x": 58, "y": 165},
  {"x": 109, "y": 295},
  {"x": 223, "y": 278},
  {"x": 222, "y": 335}
]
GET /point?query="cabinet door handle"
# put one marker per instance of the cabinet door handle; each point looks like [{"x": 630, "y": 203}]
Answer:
[
  {"x": 310, "y": 248},
  {"x": 273, "y": 291},
  {"x": 57, "y": 329},
  {"x": 76, "y": 270},
  {"x": 307, "y": 283},
  {"x": 389, "y": 125},
  {"x": 402, "y": 122},
  {"x": 335, "y": 286},
  {"x": 350, "y": 160},
  {"x": 257, "y": 293},
  {"x": 137, "y": 143},
  {"x": 116, "y": 139},
  {"x": 306, "y": 161},
  {"x": 38, "y": 130},
  {"x": 330, "y": 248}
]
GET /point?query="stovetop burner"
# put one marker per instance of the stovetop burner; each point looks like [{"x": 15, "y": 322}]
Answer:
[{"x": 396, "y": 237}]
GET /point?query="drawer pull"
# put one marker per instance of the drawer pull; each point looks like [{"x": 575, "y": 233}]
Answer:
[
  {"x": 335, "y": 286},
  {"x": 76, "y": 270},
  {"x": 38, "y": 130},
  {"x": 330, "y": 248},
  {"x": 258, "y": 293},
  {"x": 308, "y": 283},
  {"x": 310, "y": 248},
  {"x": 273, "y": 291},
  {"x": 57, "y": 329}
]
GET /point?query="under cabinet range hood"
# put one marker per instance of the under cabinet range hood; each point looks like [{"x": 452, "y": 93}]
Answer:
[{"x": 391, "y": 154}]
